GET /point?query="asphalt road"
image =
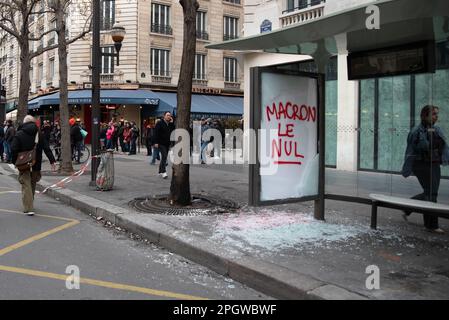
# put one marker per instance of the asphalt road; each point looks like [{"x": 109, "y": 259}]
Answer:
[{"x": 40, "y": 255}]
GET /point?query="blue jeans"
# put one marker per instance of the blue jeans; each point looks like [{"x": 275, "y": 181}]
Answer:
[
  {"x": 155, "y": 155},
  {"x": 203, "y": 146},
  {"x": 109, "y": 144},
  {"x": 7, "y": 148}
]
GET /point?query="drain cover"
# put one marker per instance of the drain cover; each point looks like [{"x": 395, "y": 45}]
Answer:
[{"x": 202, "y": 205}]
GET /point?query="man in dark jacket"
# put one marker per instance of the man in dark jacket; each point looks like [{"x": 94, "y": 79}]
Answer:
[
  {"x": 162, "y": 133},
  {"x": 76, "y": 139},
  {"x": 135, "y": 133},
  {"x": 9, "y": 134},
  {"x": 2, "y": 138},
  {"x": 24, "y": 140}
]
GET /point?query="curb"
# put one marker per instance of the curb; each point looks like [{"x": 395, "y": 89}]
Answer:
[{"x": 268, "y": 278}]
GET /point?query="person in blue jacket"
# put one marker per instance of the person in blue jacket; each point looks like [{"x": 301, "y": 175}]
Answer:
[{"x": 427, "y": 149}]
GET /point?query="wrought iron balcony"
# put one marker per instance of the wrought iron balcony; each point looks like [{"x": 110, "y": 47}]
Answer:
[
  {"x": 233, "y": 1},
  {"x": 203, "y": 35},
  {"x": 199, "y": 79},
  {"x": 161, "y": 28},
  {"x": 304, "y": 12},
  {"x": 161, "y": 76},
  {"x": 232, "y": 85}
]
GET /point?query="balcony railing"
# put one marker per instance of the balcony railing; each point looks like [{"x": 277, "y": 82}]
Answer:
[
  {"x": 303, "y": 13},
  {"x": 203, "y": 35},
  {"x": 161, "y": 28},
  {"x": 199, "y": 80},
  {"x": 232, "y": 85},
  {"x": 161, "y": 76},
  {"x": 227, "y": 37},
  {"x": 108, "y": 78},
  {"x": 233, "y": 1},
  {"x": 304, "y": 5}
]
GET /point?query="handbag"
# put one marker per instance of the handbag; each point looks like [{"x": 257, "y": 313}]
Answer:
[
  {"x": 26, "y": 159},
  {"x": 83, "y": 133}
]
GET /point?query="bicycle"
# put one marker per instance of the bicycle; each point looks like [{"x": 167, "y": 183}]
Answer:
[{"x": 85, "y": 153}]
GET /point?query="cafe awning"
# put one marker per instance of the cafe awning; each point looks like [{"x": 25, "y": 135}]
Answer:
[{"x": 128, "y": 97}]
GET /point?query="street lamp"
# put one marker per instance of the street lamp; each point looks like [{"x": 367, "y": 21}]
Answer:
[{"x": 118, "y": 34}]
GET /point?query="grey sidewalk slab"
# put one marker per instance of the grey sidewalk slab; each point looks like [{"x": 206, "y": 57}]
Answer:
[{"x": 281, "y": 250}]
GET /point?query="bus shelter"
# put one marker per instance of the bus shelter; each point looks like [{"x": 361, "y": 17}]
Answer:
[{"x": 396, "y": 69}]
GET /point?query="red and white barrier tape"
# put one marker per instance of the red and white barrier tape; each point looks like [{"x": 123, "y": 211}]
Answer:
[{"x": 61, "y": 183}]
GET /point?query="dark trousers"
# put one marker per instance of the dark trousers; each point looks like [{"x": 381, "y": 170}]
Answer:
[
  {"x": 429, "y": 175},
  {"x": 164, "y": 153},
  {"x": 122, "y": 144},
  {"x": 1, "y": 148},
  {"x": 133, "y": 146},
  {"x": 76, "y": 151},
  {"x": 148, "y": 144}
]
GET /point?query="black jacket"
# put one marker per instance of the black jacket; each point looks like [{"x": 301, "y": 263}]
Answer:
[
  {"x": 24, "y": 141},
  {"x": 2, "y": 133},
  {"x": 75, "y": 134},
  {"x": 162, "y": 133},
  {"x": 10, "y": 132}
]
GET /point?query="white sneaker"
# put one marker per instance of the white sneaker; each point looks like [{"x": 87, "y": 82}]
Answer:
[
  {"x": 30, "y": 213},
  {"x": 164, "y": 175}
]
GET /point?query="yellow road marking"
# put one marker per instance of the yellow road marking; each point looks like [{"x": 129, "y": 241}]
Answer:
[
  {"x": 37, "y": 237},
  {"x": 105, "y": 284},
  {"x": 93, "y": 282}
]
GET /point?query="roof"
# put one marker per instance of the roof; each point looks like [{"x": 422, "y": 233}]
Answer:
[{"x": 402, "y": 21}]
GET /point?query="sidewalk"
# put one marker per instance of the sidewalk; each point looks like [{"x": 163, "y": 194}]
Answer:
[{"x": 279, "y": 250}]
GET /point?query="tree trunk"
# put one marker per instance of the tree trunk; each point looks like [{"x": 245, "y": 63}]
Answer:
[
  {"x": 25, "y": 83},
  {"x": 180, "y": 183},
  {"x": 66, "y": 148}
]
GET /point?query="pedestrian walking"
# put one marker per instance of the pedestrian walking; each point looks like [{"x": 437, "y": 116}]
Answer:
[
  {"x": 205, "y": 125},
  {"x": 155, "y": 150},
  {"x": 25, "y": 140},
  {"x": 427, "y": 149},
  {"x": 76, "y": 140},
  {"x": 56, "y": 133},
  {"x": 162, "y": 134},
  {"x": 2, "y": 138},
  {"x": 127, "y": 136},
  {"x": 149, "y": 137},
  {"x": 9, "y": 135},
  {"x": 134, "y": 135},
  {"x": 110, "y": 135},
  {"x": 46, "y": 130}
]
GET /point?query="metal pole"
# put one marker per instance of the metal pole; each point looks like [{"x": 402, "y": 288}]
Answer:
[
  {"x": 320, "y": 202},
  {"x": 96, "y": 63}
]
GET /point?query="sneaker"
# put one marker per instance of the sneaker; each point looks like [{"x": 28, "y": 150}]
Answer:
[
  {"x": 437, "y": 230},
  {"x": 30, "y": 213},
  {"x": 164, "y": 175}
]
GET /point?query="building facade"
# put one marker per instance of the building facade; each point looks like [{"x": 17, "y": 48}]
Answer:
[{"x": 150, "y": 57}]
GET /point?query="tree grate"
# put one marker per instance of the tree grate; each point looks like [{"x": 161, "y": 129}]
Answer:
[{"x": 202, "y": 205}]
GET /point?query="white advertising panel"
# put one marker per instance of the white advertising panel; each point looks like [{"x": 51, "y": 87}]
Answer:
[{"x": 288, "y": 154}]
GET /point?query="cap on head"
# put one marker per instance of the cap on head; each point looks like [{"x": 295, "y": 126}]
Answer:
[{"x": 29, "y": 118}]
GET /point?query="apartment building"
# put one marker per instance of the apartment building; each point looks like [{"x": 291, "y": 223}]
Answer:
[{"x": 150, "y": 60}]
